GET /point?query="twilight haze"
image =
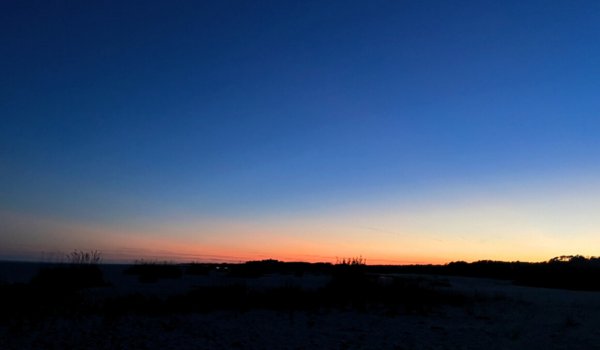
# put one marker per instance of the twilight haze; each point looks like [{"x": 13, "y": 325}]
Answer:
[{"x": 402, "y": 131}]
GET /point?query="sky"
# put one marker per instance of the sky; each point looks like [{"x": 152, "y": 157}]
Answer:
[{"x": 400, "y": 131}]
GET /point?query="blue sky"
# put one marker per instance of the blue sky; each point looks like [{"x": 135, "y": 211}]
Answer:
[{"x": 210, "y": 123}]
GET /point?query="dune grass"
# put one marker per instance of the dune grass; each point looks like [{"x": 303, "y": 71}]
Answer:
[
  {"x": 356, "y": 261},
  {"x": 81, "y": 272},
  {"x": 54, "y": 289},
  {"x": 85, "y": 258}
]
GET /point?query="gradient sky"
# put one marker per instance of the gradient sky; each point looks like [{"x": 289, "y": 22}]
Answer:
[{"x": 402, "y": 131}]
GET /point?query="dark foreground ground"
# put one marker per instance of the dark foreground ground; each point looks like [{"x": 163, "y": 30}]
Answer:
[{"x": 306, "y": 311}]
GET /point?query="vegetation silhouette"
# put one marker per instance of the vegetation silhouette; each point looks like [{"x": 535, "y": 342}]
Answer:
[
  {"x": 54, "y": 289},
  {"x": 350, "y": 287},
  {"x": 353, "y": 285},
  {"x": 256, "y": 269},
  {"x": 198, "y": 269},
  {"x": 400, "y": 296},
  {"x": 152, "y": 271},
  {"x": 571, "y": 272},
  {"x": 80, "y": 272}
]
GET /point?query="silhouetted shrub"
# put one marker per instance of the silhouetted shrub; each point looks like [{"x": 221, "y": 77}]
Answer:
[
  {"x": 349, "y": 275},
  {"x": 82, "y": 272},
  {"x": 198, "y": 269},
  {"x": 150, "y": 272},
  {"x": 359, "y": 261},
  {"x": 245, "y": 271},
  {"x": 73, "y": 277},
  {"x": 255, "y": 269},
  {"x": 53, "y": 290}
]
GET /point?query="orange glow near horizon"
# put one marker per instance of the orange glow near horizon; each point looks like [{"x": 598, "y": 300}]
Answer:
[
  {"x": 523, "y": 225},
  {"x": 126, "y": 246}
]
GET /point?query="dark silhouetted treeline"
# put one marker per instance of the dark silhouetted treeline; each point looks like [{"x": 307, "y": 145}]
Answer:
[{"x": 573, "y": 272}]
